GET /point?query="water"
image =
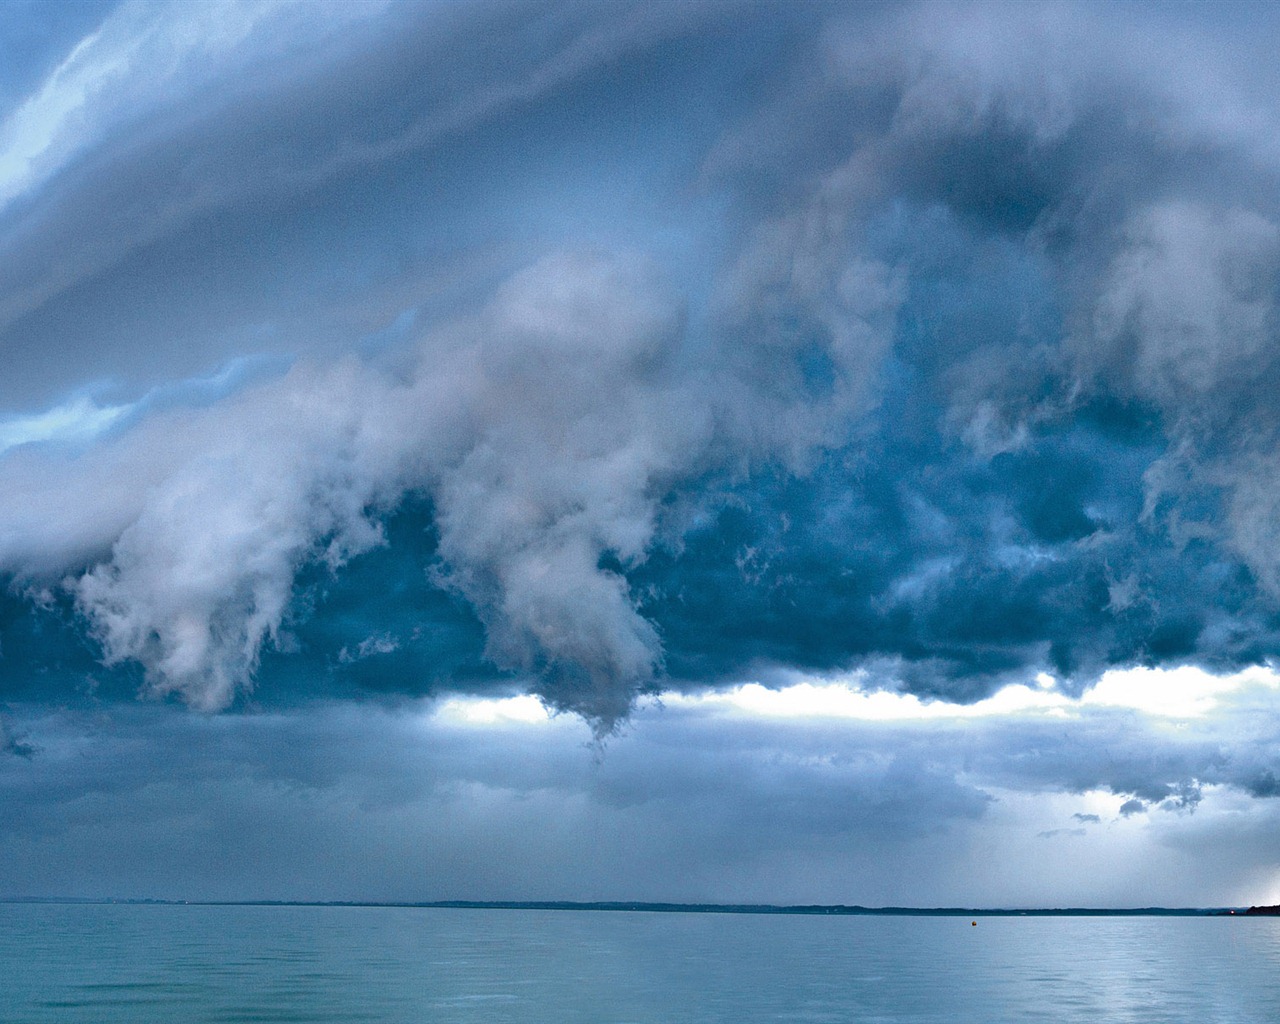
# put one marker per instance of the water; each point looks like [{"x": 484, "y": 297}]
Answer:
[{"x": 108, "y": 964}]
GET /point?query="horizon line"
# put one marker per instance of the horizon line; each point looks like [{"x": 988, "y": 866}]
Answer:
[{"x": 645, "y": 906}]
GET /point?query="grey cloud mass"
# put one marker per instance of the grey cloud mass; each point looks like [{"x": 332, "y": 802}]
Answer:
[
  {"x": 362, "y": 353},
  {"x": 688, "y": 804}
]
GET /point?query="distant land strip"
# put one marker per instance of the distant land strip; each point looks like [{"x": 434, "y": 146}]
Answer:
[{"x": 634, "y": 906}]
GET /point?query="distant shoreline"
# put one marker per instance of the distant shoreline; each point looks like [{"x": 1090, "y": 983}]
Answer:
[{"x": 635, "y": 906}]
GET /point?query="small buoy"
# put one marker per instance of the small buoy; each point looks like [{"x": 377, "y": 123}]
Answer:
[{"x": 974, "y": 923}]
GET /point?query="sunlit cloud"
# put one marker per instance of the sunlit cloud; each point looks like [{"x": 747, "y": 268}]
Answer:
[
  {"x": 77, "y": 421},
  {"x": 520, "y": 710},
  {"x": 1183, "y": 692}
]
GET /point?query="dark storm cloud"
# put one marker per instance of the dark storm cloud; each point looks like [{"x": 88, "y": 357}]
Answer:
[{"x": 603, "y": 350}]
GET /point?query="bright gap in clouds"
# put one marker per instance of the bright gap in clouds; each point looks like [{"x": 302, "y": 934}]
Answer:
[
  {"x": 1186, "y": 692},
  {"x": 1183, "y": 692},
  {"x": 522, "y": 709}
]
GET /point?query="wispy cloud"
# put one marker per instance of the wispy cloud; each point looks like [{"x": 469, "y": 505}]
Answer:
[{"x": 140, "y": 58}]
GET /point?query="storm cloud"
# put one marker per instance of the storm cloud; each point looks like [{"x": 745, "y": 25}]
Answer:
[
  {"x": 963, "y": 375},
  {"x": 360, "y": 354}
]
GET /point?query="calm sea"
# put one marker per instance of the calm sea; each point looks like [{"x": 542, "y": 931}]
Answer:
[{"x": 105, "y": 964}]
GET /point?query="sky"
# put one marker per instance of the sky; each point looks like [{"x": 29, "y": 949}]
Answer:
[{"x": 717, "y": 452}]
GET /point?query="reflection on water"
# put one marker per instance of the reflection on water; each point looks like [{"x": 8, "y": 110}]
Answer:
[{"x": 108, "y": 964}]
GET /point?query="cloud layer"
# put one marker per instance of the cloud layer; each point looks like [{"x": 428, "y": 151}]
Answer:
[
  {"x": 654, "y": 348},
  {"x": 1030, "y": 801}
]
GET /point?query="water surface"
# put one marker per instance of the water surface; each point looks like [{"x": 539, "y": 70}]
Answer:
[{"x": 103, "y": 964}]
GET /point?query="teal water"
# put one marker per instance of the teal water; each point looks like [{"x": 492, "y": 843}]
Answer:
[{"x": 116, "y": 963}]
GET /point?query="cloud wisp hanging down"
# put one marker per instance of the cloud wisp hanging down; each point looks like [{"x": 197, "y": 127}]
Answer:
[{"x": 687, "y": 344}]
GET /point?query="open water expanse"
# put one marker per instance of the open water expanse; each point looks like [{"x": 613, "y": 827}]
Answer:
[{"x": 192, "y": 964}]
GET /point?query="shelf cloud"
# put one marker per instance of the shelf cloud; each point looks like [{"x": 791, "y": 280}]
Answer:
[{"x": 369, "y": 353}]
